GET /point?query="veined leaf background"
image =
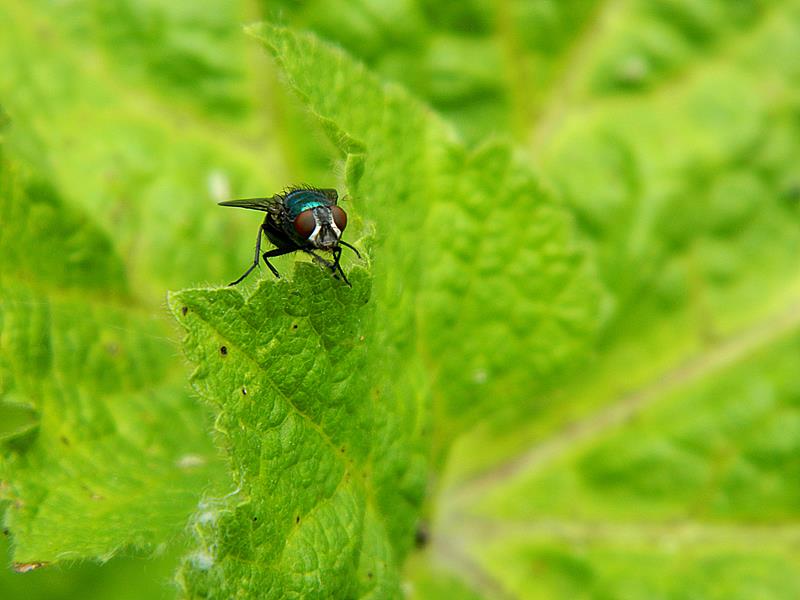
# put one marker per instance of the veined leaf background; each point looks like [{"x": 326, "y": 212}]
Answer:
[{"x": 569, "y": 364}]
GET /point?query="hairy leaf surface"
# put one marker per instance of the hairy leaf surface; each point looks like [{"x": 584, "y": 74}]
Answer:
[{"x": 110, "y": 455}]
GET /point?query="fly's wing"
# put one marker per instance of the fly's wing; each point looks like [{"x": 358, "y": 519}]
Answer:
[
  {"x": 330, "y": 194},
  {"x": 264, "y": 204}
]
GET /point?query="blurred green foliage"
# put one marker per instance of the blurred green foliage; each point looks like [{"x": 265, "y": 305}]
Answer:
[{"x": 631, "y": 435}]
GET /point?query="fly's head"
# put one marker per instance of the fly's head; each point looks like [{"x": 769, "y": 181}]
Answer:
[{"x": 321, "y": 226}]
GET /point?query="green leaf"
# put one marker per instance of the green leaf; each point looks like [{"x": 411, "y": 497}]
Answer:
[
  {"x": 110, "y": 455},
  {"x": 685, "y": 191},
  {"x": 489, "y": 67},
  {"x": 452, "y": 231},
  {"x": 288, "y": 372},
  {"x": 553, "y": 426},
  {"x": 669, "y": 128},
  {"x": 357, "y": 387},
  {"x": 122, "y": 578},
  {"x": 695, "y": 497},
  {"x": 145, "y": 127},
  {"x": 640, "y": 478}
]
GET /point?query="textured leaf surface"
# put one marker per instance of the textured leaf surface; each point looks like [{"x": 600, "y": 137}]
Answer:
[
  {"x": 362, "y": 422},
  {"x": 516, "y": 312},
  {"x": 111, "y": 455},
  {"x": 664, "y": 467},
  {"x": 649, "y": 476},
  {"x": 289, "y": 371}
]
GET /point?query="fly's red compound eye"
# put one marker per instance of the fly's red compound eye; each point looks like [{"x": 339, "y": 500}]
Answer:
[
  {"x": 339, "y": 217},
  {"x": 304, "y": 224}
]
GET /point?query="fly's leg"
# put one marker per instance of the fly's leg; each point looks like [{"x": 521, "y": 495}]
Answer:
[
  {"x": 255, "y": 260},
  {"x": 319, "y": 260},
  {"x": 343, "y": 243},
  {"x": 276, "y": 252},
  {"x": 266, "y": 256},
  {"x": 337, "y": 254},
  {"x": 334, "y": 267}
]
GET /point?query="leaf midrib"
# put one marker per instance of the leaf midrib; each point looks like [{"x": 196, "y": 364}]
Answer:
[
  {"x": 616, "y": 413},
  {"x": 776, "y": 536}
]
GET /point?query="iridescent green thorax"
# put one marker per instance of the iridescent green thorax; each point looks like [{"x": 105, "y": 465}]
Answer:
[{"x": 297, "y": 201}]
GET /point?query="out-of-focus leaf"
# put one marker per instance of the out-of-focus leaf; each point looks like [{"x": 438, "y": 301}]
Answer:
[
  {"x": 129, "y": 578},
  {"x": 490, "y": 67},
  {"x": 687, "y": 196},
  {"x": 149, "y": 114},
  {"x": 695, "y": 497},
  {"x": 115, "y": 454},
  {"x": 684, "y": 183}
]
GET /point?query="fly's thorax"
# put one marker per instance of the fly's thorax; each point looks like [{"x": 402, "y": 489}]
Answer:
[{"x": 298, "y": 201}]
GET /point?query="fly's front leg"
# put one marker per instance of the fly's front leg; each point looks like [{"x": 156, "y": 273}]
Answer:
[
  {"x": 353, "y": 248},
  {"x": 334, "y": 267},
  {"x": 319, "y": 260},
  {"x": 337, "y": 254}
]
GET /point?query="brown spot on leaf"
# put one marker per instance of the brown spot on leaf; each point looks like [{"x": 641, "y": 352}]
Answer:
[
  {"x": 223, "y": 350},
  {"x": 184, "y": 310}
]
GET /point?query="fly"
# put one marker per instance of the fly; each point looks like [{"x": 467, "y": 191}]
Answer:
[{"x": 301, "y": 219}]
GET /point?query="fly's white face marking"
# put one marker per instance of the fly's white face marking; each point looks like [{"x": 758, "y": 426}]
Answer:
[
  {"x": 315, "y": 233},
  {"x": 321, "y": 219}
]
